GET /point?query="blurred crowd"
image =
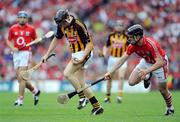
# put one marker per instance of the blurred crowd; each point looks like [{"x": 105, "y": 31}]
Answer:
[{"x": 160, "y": 18}]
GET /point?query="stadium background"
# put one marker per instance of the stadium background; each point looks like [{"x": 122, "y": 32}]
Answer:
[{"x": 160, "y": 18}]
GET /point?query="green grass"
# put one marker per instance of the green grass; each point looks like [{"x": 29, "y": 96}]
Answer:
[{"x": 148, "y": 107}]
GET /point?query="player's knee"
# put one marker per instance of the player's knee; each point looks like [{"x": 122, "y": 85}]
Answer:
[
  {"x": 163, "y": 90},
  {"x": 131, "y": 83},
  {"x": 66, "y": 75}
]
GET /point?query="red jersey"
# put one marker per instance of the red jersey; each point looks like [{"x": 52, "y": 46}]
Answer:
[
  {"x": 22, "y": 35},
  {"x": 149, "y": 49}
]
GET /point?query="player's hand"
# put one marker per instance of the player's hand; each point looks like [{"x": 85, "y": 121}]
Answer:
[
  {"x": 15, "y": 49},
  {"x": 107, "y": 76},
  {"x": 142, "y": 73},
  {"x": 44, "y": 59},
  {"x": 76, "y": 61}
]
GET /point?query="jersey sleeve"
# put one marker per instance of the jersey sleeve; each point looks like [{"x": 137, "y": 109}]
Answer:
[
  {"x": 108, "y": 43},
  {"x": 154, "y": 48},
  {"x": 82, "y": 31},
  {"x": 58, "y": 33},
  {"x": 10, "y": 34},
  {"x": 130, "y": 50}
]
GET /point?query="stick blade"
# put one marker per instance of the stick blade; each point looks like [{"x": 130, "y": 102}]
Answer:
[
  {"x": 49, "y": 34},
  {"x": 63, "y": 99}
]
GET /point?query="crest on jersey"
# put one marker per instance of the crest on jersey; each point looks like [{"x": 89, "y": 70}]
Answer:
[
  {"x": 16, "y": 33},
  {"x": 27, "y": 33}
]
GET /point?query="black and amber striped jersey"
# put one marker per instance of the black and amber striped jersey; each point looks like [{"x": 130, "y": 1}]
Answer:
[
  {"x": 117, "y": 42},
  {"x": 76, "y": 34}
]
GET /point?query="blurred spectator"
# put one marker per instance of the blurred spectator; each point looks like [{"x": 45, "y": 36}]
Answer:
[{"x": 161, "y": 18}]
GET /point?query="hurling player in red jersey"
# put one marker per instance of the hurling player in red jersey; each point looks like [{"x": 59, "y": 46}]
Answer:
[
  {"x": 19, "y": 35},
  {"x": 154, "y": 62}
]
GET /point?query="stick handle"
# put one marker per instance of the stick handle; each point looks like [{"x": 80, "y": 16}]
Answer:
[
  {"x": 34, "y": 42},
  {"x": 39, "y": 64},
  {"x": 89, "y": 85},
  {"x": 72, "y": 94}
]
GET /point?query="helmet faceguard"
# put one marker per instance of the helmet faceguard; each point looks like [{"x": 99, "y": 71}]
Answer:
[
  {"x": 61, "y": 17},
  {"x": 133, "y": 32}
]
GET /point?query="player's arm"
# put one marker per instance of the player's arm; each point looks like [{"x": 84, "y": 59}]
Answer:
[
  {"x": 106, "y": 51},
  {"x": 11, "y": 46},
  {"x": 88, "y": 49},
  {"x": 119, "y": 62},
  {"x": 53, "y": 44},
  {"x": 117, "y": 65},
  {"x": 10, "y": 43},
  {"x": 106, "y": 48},
  {"x": 86, "y": 37},
  {"x": 159, "y": 63}
]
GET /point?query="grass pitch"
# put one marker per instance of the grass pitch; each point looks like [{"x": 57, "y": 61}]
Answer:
[{"x": 142, "y": 107}]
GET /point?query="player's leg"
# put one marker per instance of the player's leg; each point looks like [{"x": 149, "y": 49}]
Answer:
[
  {"x": 21, "y": 60},
  {"x": 17, "y": 60},
  {"x": 121, "y": 76},
  {"x": 107, "y": 99},
  {"x": 36, "y": 92},
  {"x": 134, "y": 76},
  {"x": 22, "y": 86},
  {"x": 69, "y": 74},
  {"x": 79, "y": 74},
  {"x": 167, "y": 96},
  {"x": 28, "y": 85},
  {"x": 97, "y": 108},
  {"x": 161, "y": 75},
  {"x": 111, "y": 62}
]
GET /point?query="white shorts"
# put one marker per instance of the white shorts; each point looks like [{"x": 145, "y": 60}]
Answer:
[
  {"x": 160, "y": 74},
  {"x": 21, "y": 58},
  {"x": 79, "y": 55},
  {"x": 112, "y": 60}
]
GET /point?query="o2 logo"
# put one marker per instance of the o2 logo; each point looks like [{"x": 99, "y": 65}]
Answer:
[{"x": 20, "y": 41}]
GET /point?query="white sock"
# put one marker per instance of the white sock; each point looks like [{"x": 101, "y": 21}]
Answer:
[
  {"x": 20, "y": 99},
  {"x": 172, "y": 108},
  {"x": 35, "y": 91}
]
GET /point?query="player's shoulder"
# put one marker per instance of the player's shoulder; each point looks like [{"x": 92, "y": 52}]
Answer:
[
  {"x": 112, "y": 34},
  {"x": 79, "y": 23},
  {"x": 150, "y": 39},
  {"x": 30, "y": 26},
  {"x": 14, "y": 26}
]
